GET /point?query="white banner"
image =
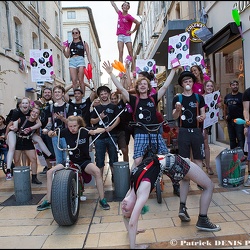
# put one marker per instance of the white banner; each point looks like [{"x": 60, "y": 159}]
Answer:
[{"x": 41, "y": 63}]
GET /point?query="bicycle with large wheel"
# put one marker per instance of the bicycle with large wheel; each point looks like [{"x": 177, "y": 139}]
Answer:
[
  {"x": 150, "y": 151},
  {"x": 67, "y": 188}
]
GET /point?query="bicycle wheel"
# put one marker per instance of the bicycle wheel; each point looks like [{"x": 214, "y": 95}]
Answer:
[
  {"x": 158, "y": 191},
  {"x": 65, "y": 201}
]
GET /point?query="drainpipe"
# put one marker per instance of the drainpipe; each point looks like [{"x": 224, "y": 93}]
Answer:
[
  {"x": 194, "y": 10},
  {"x": 8, "y": 23},
  {"x": 39, "y": 27}
]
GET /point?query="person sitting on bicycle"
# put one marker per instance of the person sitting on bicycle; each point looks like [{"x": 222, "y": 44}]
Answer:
[
  {"x": 79, "y": 156},
  {"x": 142, "y": 182},
  {"x": 3, "y": 145}
]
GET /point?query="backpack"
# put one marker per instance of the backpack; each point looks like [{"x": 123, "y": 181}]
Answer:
[
  {"x": 136, "y": 104},
  {"x": 196, "y": 95},
  {"x": 66, "y": 109}
]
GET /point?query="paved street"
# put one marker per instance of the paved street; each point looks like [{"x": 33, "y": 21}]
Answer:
[{"x": 25, "y": 227}]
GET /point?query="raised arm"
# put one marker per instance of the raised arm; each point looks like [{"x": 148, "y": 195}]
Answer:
[
  {"x": 169, "y": 79},
  {"x": 115, "y": 6},
  {"x": 107, "y": 66}
]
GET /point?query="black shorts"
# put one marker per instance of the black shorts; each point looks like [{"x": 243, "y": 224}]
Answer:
[
  {"x": 191, "y": 138},
  {"x": 121, "y": 140}
]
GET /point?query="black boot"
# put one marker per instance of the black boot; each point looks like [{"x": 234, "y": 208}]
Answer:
[
  {"x": 35, "y": 180},
  {"x": 176, "y": 189}
]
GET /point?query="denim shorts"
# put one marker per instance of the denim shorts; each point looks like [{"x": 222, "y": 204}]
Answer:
[
  {"x": 101, "y": 147},
  {"x": 124, "y": 39},
  {"x": 76, "y": 62}
]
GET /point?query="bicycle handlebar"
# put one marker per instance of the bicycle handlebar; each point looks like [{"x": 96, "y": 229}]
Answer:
[
  {"x": 146, "y": 126},
  {"x": 77, "y": 140}
]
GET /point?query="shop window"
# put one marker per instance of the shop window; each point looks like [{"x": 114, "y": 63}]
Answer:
[{"x": 228, "y": 65}]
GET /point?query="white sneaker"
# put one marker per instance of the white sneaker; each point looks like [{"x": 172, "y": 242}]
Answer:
[
  {"x": 8, "y": 177},
  {"x": 247, "y": 183},
  {"x": 83, "y": 198}
]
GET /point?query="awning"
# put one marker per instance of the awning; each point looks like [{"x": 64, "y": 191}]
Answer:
[
  {"x": 221, "y": 39},
  {"x": 160, "y": 51},
  {"x": 32, "y": 90}
]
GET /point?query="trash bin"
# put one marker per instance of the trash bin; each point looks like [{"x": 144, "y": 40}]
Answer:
[
  {"x": 22, "y": 184},
  {"x": 121, "y": 174}
]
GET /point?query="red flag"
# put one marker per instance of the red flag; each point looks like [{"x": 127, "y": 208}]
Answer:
[
  {"x": 90, "y": 70},
  {"x": 86, "y": 73}
]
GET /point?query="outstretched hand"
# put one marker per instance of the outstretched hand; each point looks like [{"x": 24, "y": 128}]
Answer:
[{"x": 108, "y": 67}]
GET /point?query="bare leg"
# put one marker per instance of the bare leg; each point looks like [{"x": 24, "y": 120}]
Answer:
[
  {"x": 93, "y": 170},
  {"x": 31, "y": 155},
  {"x": 11, "y": 141},
  {"x": 130, "y": 52},
  {"x": 197, "y": 175},
  {"x": 41, "y": 143},
  {"x": 120, "y": 49},
  {"x": 81, "y": 79},
  {"x": 49, "y": 179},
  {"x": 74, "y": 77}
]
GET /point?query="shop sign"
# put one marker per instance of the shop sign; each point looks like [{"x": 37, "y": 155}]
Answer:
[{"x": 192, "y": 28}]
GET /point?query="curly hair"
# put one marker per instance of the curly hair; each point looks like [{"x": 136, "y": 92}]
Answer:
[{"x": 138, "y": 81}]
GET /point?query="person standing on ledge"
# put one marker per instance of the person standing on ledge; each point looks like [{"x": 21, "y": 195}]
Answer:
[
  {"x": 76, "y": 51},
  {"x": 123, "y": 32}
]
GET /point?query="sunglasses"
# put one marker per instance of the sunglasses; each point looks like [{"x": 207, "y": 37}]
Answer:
[{"x": 75, "y": 33}]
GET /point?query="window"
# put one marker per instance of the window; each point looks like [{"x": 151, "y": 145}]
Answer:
[
  {"x": 35, "y": 41},
  {"x": 59, "y": 67},
  {"x": 57, "y": 24},
  {"x": 18, "y": 42},
  {"x": 228, "y": 63},
  {"x": 71, "y": 14}
]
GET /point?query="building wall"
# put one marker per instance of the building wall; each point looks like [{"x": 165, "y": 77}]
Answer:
[{"x": 41, "y": 19}]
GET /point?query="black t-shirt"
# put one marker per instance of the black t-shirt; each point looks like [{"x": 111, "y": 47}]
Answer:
[
  {"x": 2, "y": 133},
  {"x": 234, "y": 106},
  {"x": 17, "y": 113},
  {"x": 77, "y": 49},
  {"x": 81, "y": 154},
  {"x": 190, "y": 111},
  {"x": 45, "y": 114},
  {"x": 81, "y": 109},
  {"x": 111, "y": 111},
  {"x": 246, "y": 95},
  {"x": 145, "y": 111},
  {"x": 57, "y": 123}
]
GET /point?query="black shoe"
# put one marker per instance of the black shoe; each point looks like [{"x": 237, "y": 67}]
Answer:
[
  {"x": 183, "y": 214},
  {"x": 204, "y": 224},
  {"x": 45, "y": 169},
  {"x": 36, "y": 181},
  {"x": 176, "y": 189}
]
